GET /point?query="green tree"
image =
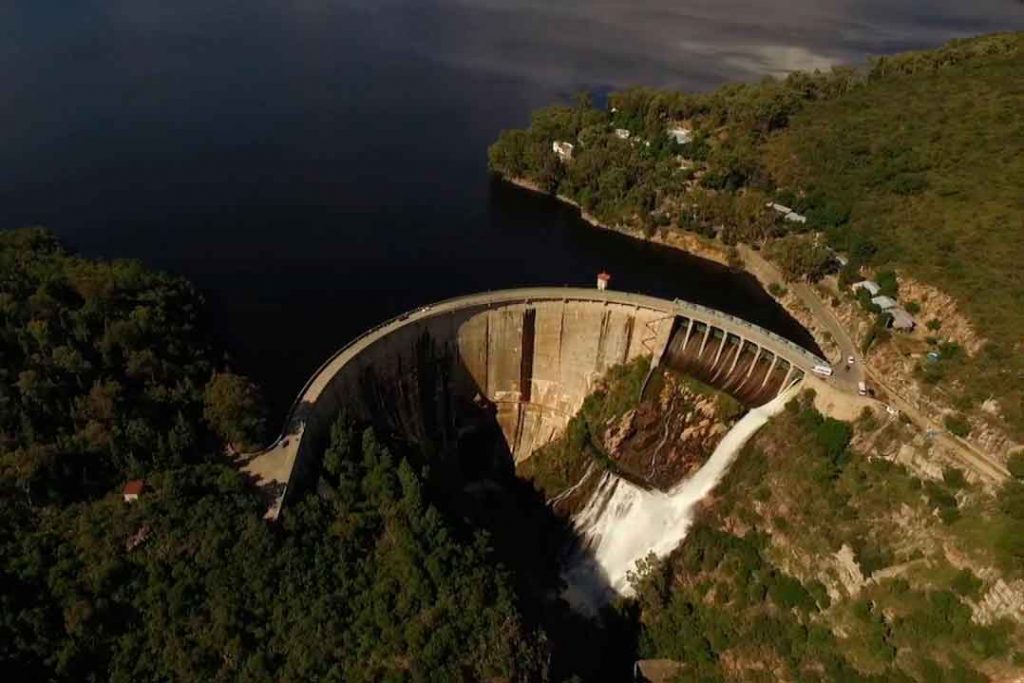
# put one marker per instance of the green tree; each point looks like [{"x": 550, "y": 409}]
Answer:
[
  {"x": 800, "y": 257},
  {"x": 233, "y": 407}
]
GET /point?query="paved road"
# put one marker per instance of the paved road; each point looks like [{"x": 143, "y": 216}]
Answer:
[
  {"x": 844, "y": 379},
  {"x": 984, "y": 464}
]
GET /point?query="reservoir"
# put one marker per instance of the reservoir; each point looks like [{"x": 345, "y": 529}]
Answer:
[{"x": 317, "y": 167}]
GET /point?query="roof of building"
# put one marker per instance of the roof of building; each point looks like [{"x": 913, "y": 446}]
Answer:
[
  {"x": 901, "y": 320},
  {"x": 869, "y": 285},
  {"x": 884, "y": 302},
  {"x": 134, "y": 487},
  {"x": 781, "y": 208},
  {"x": 681, "y": 135}
]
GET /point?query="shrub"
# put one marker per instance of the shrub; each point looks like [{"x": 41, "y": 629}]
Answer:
[
  {"x": 1011, "y": 499},
  {"x": 1015, "y": 464},
  {"x": 954, "y": 478},
  {"x": 966, "y": 584},
  {"x": 957, "y": 425},
  {"x": 233, "y": 407},
  {"x": 887, "y": 283}
]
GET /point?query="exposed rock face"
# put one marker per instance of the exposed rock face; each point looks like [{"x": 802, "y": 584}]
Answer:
[
  {"x": 669, "y": 437},
  {"x": 1002, "y": 600},
  {"x": 938, "y": 305}
]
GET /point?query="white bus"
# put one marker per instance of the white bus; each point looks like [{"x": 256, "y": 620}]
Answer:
[{"x": 822, "y": 370}]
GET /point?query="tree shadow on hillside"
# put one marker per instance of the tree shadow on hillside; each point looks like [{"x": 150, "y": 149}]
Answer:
[
  {"x": 426, "y": 405},
  {"x": 475, "y": 482}
]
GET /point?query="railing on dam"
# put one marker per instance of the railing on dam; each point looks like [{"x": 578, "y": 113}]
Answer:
[{"x": 810, "y": 358}]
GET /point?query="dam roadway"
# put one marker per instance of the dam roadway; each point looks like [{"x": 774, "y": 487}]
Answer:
[{"x": 523, "y": 360}]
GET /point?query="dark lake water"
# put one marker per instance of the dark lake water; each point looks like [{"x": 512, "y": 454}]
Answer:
[{"x": 318, "y": 166}]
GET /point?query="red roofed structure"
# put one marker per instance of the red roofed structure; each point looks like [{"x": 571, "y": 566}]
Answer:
[
  {"x": 132, "y": 490},
  {"x": 603, "y": 279}
]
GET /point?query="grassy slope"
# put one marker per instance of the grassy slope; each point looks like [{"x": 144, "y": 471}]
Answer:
[{"x": 959, "y": 131}]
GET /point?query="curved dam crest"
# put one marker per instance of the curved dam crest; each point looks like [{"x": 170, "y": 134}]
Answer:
[{"x": 523, "y": 360}]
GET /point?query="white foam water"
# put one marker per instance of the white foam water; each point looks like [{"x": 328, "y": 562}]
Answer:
[{"x": 623, "y": 523}]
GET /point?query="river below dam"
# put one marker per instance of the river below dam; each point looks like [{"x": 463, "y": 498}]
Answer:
[{"x": 318, "y": 167}]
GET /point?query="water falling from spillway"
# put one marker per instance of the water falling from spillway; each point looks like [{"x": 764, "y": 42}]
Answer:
[{"x": 623, "y": 523}]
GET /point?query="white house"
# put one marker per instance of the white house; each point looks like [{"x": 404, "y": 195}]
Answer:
[
  {"x": 622, "y": 133},
  {"x": 683, "y": 136},
  {"x": 871, "y": 286},
  {"x": 884, "y": 302},
  {"x": 562, "y": 149},
  {"x": 787, "y": 213}
]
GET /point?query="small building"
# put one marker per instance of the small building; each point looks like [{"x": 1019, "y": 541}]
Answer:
[
  {"x": 900, "y": 320},
  {"x": 562, "y": 149},
  {"x": 884, "y": 302},
  {"x": 622, "y": 133},
  {"x": 132, "y": 490},
  {"x": 683, "y": 136},
  {"x": 787, "y": 213},
  {"x": 603, "y": 279},
  {"x": 871, "y": 286}
]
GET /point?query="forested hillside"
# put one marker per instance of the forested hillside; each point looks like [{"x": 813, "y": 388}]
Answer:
[
  {"x": 914, "y": 164},
  {"x": 108, "y": 374},
  {"x": 821, "y": 559}
]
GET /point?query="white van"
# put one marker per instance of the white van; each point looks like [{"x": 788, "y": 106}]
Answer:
[
  {"x": 862, "y": 388},
  {"x": 822, "y": 370}
]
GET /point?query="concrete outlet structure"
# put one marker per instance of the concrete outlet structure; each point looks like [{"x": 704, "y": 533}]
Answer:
[{"x": 523, "y": 360}]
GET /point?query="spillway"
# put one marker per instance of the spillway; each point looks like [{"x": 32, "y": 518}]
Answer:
[{"x": 623, "y": 523}]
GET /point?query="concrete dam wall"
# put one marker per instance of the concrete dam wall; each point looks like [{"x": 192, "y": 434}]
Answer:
[{"x": 521, "y": 359}]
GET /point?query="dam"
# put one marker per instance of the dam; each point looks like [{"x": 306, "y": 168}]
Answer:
[{"x": 522, "y": 361}]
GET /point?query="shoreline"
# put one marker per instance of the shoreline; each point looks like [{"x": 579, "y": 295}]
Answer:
[
  {"x": 749, "y": 262},
  {"x": 682, "y": 240}
]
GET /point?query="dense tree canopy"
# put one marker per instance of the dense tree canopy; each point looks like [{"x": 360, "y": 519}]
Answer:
[
  {"x": 103, "y": 372},
  {"x": 108, "y": 371},
  {"x": 233, "y": 407}
]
